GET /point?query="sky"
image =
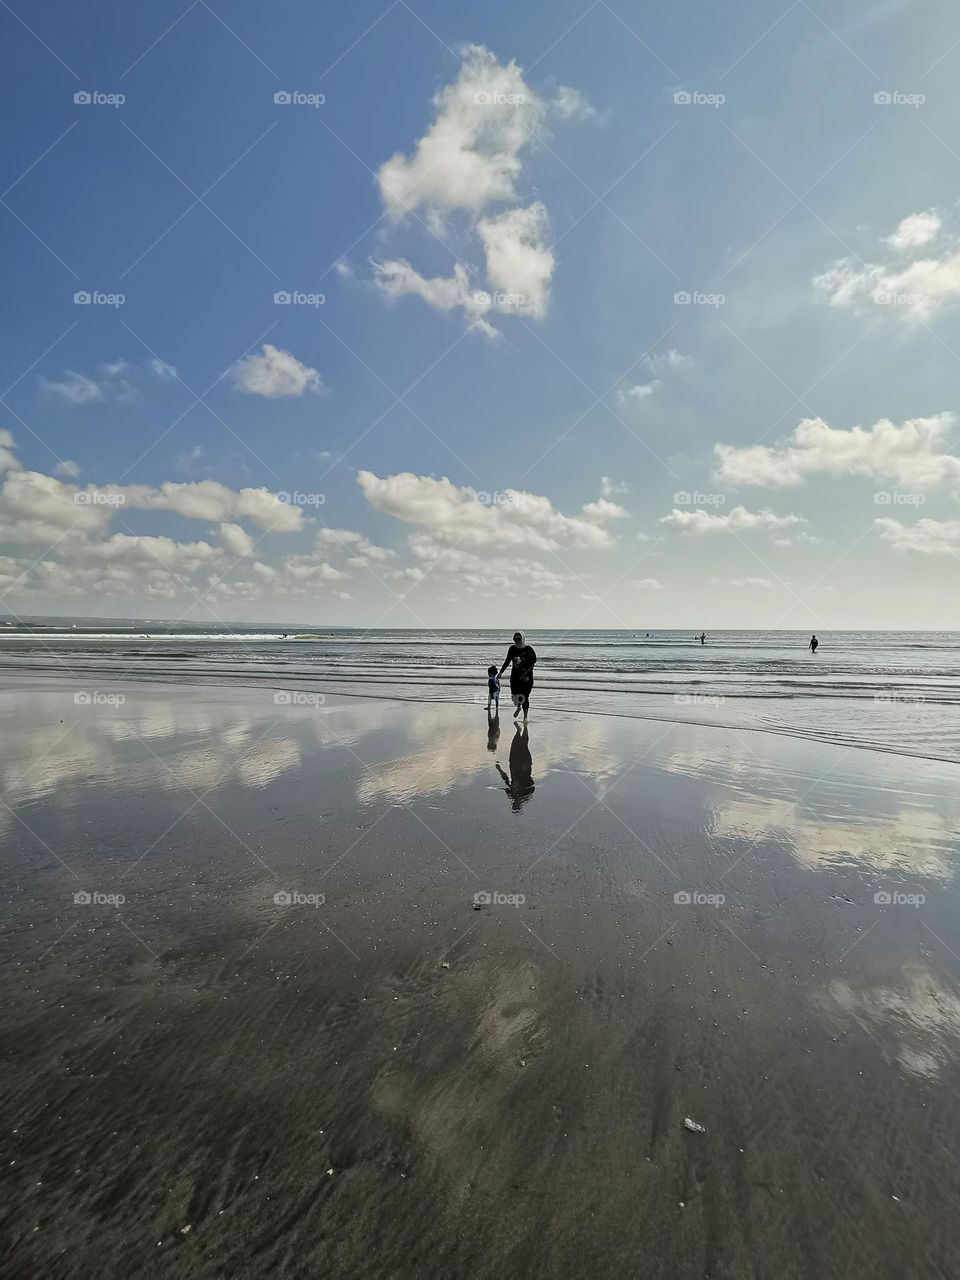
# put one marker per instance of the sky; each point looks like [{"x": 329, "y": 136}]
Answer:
[{"x": 551, "y": 314}]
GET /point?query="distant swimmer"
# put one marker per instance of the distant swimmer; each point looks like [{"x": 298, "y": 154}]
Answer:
[
  {"x": 814, "y": 642},
  {"x": 703, "y": 637}
]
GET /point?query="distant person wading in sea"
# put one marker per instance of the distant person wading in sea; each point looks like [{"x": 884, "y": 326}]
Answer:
[
  {"x": 521, "y": 659},
  {"x": 814, "y": 642}
]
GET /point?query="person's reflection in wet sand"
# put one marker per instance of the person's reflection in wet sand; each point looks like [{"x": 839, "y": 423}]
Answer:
[
  {"x": 520, "y": 785},
  {"x": 493, "y": 729}
]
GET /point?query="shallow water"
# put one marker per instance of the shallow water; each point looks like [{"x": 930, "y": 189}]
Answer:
[
  {"x": 758, "y": 932},
  {"x": 888, "y": 691}
]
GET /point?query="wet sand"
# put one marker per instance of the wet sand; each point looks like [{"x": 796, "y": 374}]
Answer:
[{"x": 205, "y": 1081}]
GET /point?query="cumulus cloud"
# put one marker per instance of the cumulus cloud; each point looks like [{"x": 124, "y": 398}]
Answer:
[
  {"x": 67, "y": 468},
  {"x": 602, "y": 510},
  {"x": 910, "y": 287},
  {"x": 927, "y": 537},
  {"x": 642, "y": 391},
  {"x": 274, "y": 373},
  {"x": 210, "y": 500},
  {"x": 610, "y": 488},
  {"x": 235, "y": 540},
  {"x": 912, "y": 454},
  {"x": 915, "y": 230},
  {"x": 8, "y": 459},
  {"x": 519, "y": 261},
  {"x": 470, "y": 156},
  {"x": 467, "y": 163},
  {"x": 460, "y": 515},
  {"x": 698, "y": 522}
]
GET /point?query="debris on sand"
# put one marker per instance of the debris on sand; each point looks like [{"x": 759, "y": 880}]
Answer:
[{"x": 692, "y": 1125}]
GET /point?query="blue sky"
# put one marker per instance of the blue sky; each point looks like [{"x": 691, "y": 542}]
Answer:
[{"x": 503, "y": 405}]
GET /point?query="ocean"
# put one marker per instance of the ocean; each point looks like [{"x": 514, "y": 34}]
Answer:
[{"x": 880, "y": 690}]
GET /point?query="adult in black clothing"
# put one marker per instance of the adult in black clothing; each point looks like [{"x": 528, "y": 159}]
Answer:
[{"x": 521, "y": 659}]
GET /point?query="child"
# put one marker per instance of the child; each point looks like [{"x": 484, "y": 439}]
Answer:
[{"x": 493, "y": 688}]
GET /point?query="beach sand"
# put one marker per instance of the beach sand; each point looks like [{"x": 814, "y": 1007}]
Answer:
[{"x": 206, "y": 1081}]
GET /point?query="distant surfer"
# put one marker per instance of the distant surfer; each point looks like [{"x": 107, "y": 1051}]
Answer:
[{"x": 814, "y": 643}]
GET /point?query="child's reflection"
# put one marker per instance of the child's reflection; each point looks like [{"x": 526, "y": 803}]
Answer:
[
  {"x": 520, "y": 785},
  {"x": 493, "y": 728}
]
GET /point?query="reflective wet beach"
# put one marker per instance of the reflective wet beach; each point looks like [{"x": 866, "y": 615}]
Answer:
[{"x": 674, "y": 921}]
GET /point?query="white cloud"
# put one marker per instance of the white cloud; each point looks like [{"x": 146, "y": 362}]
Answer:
[
  {"x": 459, "y": 515},
  {"x": 657, "y": 362},
  {"x": 470, "y": 156},
  {"x": 610, "y": 488},
  {"x": 212, "y": 501},
  {"x": 570, "y": 104},
  {"x": 8, "y": 459},
  {"x": 489, "y": 574},
  {"x": 362, "y": 551},
  {"x": 927, "y": 537},
  {"x": 67, "y": 468},
  {"x": 647, "y": 584},
  {"x": 74, "y": 388},
  {"x": 468, "y": 162},
  {"x": 165, "y": 372},
  {"x": 911, "y": 454},
  {"x": 396, "y": 278},
  {"x": 602, "y": 510},
  {"x": 909, "y": 290},
  {"x": 642, "y": 391},
  {"x": 274, "y": 373},
  {"x": 519, "y": 261},
  {"x": 698, "y": 521},
  {"x": 235, "y": 540},
  {"x": 117, "y": 382},
  {"x": 915, "y": 230},
  {"x": 762, "y": 584}
]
